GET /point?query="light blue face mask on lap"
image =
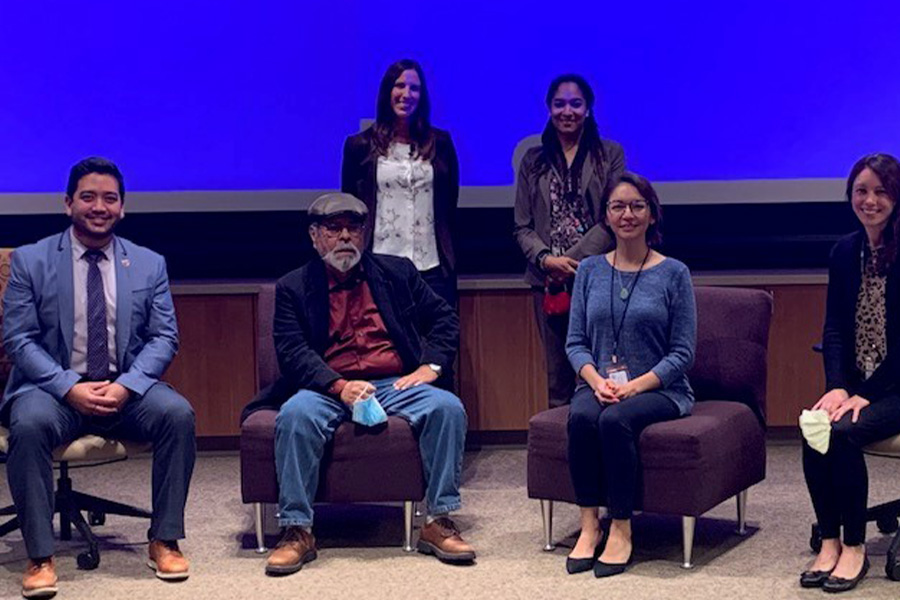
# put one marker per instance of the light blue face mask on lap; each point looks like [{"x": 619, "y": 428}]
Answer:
[{"x": 368, "y": 412}]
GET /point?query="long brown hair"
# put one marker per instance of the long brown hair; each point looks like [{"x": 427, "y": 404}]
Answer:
[
  {"x": 887, "y": 168},
  {"x": 420, "y": 124}
]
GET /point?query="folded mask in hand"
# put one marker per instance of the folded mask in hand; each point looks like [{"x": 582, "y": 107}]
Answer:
[
  {"x": 368, "y": 412},
  {"x": 816, "y": 428}
]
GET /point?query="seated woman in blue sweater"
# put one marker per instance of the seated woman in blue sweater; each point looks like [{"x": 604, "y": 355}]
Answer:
[{"x": 632, "y": 333}]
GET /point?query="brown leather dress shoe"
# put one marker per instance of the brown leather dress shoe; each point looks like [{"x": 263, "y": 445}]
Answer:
[
  {"x": 441, "y": 538},
  {"x": 168, "y": 561},
  {"x": 39, "y": 580},
  {"x": 296, "y": 548}
]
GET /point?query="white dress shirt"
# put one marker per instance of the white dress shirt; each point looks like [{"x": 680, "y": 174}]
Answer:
[
  {"x": 404, "y": 216},
  {"x": 107, "y": 267}
]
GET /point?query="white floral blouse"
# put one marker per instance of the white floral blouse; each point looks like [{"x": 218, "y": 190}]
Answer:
[{"x": 404, "y": 216}]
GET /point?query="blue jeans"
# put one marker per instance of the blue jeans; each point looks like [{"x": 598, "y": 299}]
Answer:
[{"x": 308, "y": 420}]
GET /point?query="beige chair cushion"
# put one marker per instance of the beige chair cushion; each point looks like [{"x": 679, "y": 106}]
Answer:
[
  {"x": 889, "y": 447},
  {"x": 5, "y": 363},
  {"x": 92, "y": 448}
]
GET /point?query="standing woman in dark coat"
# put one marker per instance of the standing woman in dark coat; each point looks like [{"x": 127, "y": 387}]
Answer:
[
  {"x": 557, "y": 214},
  {"x": 407, "y": 173},
  {"x": 861, "y": 348}
]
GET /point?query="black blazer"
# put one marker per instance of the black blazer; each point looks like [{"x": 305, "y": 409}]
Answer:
[
  {"x": 839, "y": 337},
  {"x": 358, "y": 178},
  {"x": 423, "y": 328}
]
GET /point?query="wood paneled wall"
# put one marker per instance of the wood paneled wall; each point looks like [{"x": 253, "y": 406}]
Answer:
[
  {"x": 502, "y": 373},
  {"x": 215, "y": 368}
]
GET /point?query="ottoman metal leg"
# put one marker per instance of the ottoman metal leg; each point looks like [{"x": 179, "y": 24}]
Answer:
[
  {"x": 742, "y": 512},
  {"x": 547, "y": 515},
  {"x": 408, "y": 512},
  {"x": 687, "y": 534},
  {"x": 258, "y": 515}
]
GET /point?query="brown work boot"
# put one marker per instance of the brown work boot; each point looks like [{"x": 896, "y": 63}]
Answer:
[
  {"x": 297, "y": 547},
  {"x": 168, "y": 561},
  {"x": 441, "y": 538},
  {"x": 39, "y": 580}
]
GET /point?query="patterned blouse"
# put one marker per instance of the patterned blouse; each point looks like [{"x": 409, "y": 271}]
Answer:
[
  {"x": 404, "y": 214},
  {"x": 871, "y": 316},
  {"x": 569, "y": 217}
]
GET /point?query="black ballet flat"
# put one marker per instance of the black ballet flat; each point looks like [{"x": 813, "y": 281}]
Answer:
[
  {"x": 602, "y": 569},
  {"x": 814, "y": 579},
  {"x": 580, "y": 565},
  {"x": 835, "y": 585}
]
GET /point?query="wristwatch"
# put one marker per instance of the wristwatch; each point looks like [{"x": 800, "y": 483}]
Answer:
[{"x": 436, "y": 368}]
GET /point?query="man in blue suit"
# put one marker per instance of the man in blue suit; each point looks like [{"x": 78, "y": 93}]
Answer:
[{"x": 90, "y": 328}]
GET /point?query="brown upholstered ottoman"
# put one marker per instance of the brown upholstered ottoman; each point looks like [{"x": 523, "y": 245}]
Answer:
[{"x": 360, "y": 465}]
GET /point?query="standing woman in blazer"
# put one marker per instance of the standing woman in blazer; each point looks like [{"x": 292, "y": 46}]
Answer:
[
  {"x": 861, "y": 348},
  {"x": 557, "y": 214},
  {"x": 407, "y": 173}
]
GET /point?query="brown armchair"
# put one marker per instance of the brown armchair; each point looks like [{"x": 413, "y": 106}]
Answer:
[
  {"x": 360, "y": 465},
  {"x": 692, "y": 464}
]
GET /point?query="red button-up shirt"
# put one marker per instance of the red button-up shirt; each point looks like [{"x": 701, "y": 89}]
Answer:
[{"x": 359, "y": 345}]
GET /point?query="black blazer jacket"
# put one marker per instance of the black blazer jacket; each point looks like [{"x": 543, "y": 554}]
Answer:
[
  {"x": 358, "y": 177},
  {"x": 839, "y": 336},
  {"x": 423, "y": 328}
]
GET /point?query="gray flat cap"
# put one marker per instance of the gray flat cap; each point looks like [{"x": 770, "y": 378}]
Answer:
[{"x": 336, "y": 203}]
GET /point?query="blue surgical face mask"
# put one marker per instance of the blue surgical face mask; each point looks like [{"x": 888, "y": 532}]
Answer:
[{"x": 368, "y": 412}]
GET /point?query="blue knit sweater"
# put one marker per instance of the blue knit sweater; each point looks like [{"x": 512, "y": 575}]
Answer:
[{"x": 659, "y": 333}]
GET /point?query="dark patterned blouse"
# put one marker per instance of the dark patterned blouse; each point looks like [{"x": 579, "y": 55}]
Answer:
[
  {"x": 569, "y": 216},
  {"x": 871, "y": 316}
]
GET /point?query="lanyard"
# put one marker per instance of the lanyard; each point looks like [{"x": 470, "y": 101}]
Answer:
[{"x": 612, "y": 283}]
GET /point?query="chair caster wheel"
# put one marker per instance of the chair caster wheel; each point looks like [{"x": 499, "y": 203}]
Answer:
[
  {"x": 96, "y": 519},
  {"x": 887, "y": 524},
  {"x": 892, "y": 564},
  {"x": 815, "y": 539},
  {"x": 88, "y": 560},
  {"x": 892, "y": 570}
]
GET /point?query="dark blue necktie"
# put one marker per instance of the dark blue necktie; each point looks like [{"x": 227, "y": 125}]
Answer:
[{"x": 97, "y": 337}]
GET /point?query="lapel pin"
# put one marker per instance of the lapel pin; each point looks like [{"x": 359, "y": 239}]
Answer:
[{"x": 126, "y": 262}]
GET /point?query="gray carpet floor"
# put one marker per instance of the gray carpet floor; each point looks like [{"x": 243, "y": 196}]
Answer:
[{"x": 360, "y": 555}]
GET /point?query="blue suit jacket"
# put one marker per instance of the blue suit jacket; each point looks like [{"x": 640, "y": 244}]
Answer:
[{"x": 39, "y": 318}]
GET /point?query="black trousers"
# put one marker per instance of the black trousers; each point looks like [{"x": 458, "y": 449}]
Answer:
[
  {"x": 553, "y": 330},
  {"x": 603, "y": 447},
  {"x": 445, "y": 286},
  {"x": 838, "y": 481}
]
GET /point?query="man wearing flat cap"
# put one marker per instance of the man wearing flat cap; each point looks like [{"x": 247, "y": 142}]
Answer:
[{"x": 351, "y": 326}]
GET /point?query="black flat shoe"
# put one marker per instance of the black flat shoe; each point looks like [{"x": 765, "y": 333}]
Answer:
[
  {"x": 813, "y": 579},
  {"x": 602, "y": 569},
  {"x": 580, "y": 565},
  {"x": 836, "y": 585}
]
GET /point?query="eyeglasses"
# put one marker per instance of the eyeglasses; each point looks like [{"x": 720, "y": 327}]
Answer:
[
  {"x": 336, "y": 228},
  {"x": 638, "y": 207}
]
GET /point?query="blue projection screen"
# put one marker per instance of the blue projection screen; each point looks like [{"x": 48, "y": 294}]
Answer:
[{"x": 245, "y": 106}]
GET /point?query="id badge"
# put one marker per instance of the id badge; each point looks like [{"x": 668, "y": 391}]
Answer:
[
  {"x": 869, "y": 363},
  {"x": 618, "y": 373}
]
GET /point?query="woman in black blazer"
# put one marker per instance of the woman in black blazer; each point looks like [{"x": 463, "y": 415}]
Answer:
[
  {"x": 861, "y": 348},
  {"x": 407, "y": 173}
]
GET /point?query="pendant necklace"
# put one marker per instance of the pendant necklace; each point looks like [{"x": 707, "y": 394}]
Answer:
[{"x": 624, "y": 290}]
